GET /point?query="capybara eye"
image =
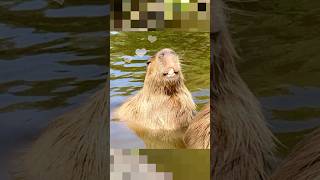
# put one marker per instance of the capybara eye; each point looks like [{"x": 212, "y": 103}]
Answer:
[
  {"x": 161, "y": 55},
  {"x": 148, "y": 63}
]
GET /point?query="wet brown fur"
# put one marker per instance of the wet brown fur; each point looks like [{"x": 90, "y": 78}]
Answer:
[
  {"x": 161, "y": 111},
  {"x": 73, "y": 147},
  {"x": 303, "y": 163},
  {"x": 243, "y": 146},
  {"x": 197, "y": 135}
]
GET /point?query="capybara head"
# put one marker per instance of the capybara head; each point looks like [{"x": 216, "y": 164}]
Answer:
[{"x": 164, "y": 70}]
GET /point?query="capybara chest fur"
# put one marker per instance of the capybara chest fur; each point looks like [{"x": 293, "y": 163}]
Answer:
[{"x": 162, "y": 110}]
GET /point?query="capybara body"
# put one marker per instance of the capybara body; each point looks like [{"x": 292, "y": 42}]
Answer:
[
  {"x": 303, "y": 163},
  {"x": 73, "y": 147},
  {"x": 243, "y": 145},
  {"x": 197, "y": 135},
  {"x": 162, "y": 110}
]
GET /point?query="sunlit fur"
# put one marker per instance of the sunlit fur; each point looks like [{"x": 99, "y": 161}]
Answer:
[
  {"x": 245, "y": 145},
  {"x": 162, "y": 110},
  {"x": 303, "y": 163},
  {"x": 73, "y": 147},
  {"x": 197, "y": 135}
]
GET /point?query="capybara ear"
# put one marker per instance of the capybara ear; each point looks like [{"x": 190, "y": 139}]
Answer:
[
  {"x": 148, "y": 62},
  {"x": 150, "y": 65},
  {"x": 151, "y": 59}
]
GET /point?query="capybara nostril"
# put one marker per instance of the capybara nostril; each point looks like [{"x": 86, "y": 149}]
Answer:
[{"x": 170, "y": 73}]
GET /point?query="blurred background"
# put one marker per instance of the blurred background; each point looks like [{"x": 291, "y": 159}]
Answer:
[
  {"x": 279, "y": 44},
  {"x": 52, "y": 57}
]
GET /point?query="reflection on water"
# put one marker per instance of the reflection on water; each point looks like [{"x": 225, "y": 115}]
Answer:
[
  {"x": 279, "y": 44},
  {"x": 127, "y": 78},
  {"x": 52, "y": 57}
]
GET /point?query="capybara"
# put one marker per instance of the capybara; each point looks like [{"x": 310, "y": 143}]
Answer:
[
  {"x": 243, "y": 145},
  {"x": 162, "y": 110},
  {"x": 197, "y": 135},
  {"x": 303, "y": 163},
  {"x": 73, "y": 147}
]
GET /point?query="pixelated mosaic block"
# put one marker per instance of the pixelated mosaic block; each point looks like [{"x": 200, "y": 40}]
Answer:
[
  {"x": 127, "y": 164},
  {"x": 157, "y": 15}
]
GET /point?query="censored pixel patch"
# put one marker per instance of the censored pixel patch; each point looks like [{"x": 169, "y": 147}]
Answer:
[
  {"x": 126, "y": 164},
  {"x": 155, "y": 15}
]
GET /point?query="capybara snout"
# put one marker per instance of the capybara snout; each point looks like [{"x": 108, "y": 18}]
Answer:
[{"x": 165, "y": 63}]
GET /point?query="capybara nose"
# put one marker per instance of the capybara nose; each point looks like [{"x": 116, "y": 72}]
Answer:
[{"x": 171, "y": 72}]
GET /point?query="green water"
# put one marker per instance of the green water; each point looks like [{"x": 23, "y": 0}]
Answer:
[
  {"x": 184, "y": 164},
  {"x": 127, "y": 78},
  {"x": 279, "y": 45}
]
